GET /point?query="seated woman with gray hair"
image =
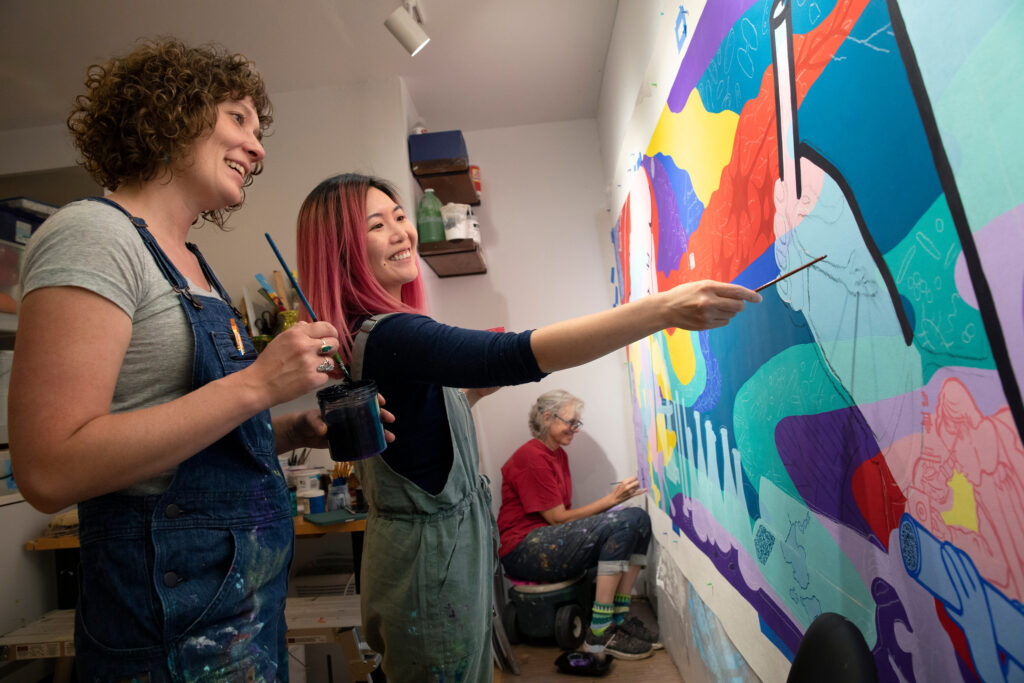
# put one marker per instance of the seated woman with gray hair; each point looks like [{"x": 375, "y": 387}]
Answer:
[{"x": 545, "y": 539}]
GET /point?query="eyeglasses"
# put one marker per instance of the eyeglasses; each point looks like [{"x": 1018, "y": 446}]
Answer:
[{"x": 574, "y": 425}]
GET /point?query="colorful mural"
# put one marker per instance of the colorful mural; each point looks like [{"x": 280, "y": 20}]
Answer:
[{"x": 852, "y": 444}]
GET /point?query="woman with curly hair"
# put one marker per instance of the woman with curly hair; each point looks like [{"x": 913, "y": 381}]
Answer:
[
  {"x": 134, "y": 396},
  {"x": 428, "y": 555}
]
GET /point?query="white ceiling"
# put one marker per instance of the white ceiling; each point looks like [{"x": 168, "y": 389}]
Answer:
[{"x": 490, "y": 63}]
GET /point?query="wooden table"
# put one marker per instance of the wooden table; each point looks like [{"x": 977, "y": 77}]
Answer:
[
  {"x": 325, "y": 619},
  {"x": 310, "y": 620},
  {"x": 66, "y": 552},
  {"x": 303, "y": 529}
]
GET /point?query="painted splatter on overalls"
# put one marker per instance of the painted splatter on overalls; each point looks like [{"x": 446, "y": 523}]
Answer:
[
  {"x": 190, "y": 585},
  {"x": 428, "y": 561}
]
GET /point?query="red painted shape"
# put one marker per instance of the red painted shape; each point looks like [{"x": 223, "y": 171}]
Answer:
[
  {"x": 956, "y": 635},
  {"x": 737, "y": 224},
  {"x": 878, "y": 497}
]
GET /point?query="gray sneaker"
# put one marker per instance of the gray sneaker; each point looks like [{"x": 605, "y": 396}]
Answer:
[
  {"x": 636, "y": 628},
  {"x": 616, "y": 643}
]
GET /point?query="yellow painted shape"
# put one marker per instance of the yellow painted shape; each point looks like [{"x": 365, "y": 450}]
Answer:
[
  {"x": 681, "y": 355},
  {"x": 670, "y": 445},
  {"x": 660, "y": 369},
  {"x": 655, "y": 491},
  {"x": 964, "y": 512},
  {"x": 698, "y": 141},
  {"x": 666, "y": 438}
]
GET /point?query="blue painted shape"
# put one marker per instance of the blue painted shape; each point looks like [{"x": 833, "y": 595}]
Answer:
[
  {"x": 861, "y": 115},
  {"x": 768, "y": 633},
  {"x": 733, "y": 77}
]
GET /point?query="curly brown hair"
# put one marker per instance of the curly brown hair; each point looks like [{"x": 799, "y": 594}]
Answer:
[{"x": 148, "y": 107}]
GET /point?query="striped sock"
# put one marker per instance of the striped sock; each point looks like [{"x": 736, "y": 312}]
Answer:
[
  {"x": 601, "y": 617},
  {"x": 621, "y": 607}
]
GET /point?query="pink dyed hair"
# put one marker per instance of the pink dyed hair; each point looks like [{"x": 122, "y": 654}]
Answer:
[{"x": 333, "y": 269}]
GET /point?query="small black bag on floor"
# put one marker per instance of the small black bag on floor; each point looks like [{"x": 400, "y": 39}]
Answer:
[{"x": 583, "y": 664}]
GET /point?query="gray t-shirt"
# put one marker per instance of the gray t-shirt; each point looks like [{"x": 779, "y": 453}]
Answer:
[{"x": 94, "y": 246}]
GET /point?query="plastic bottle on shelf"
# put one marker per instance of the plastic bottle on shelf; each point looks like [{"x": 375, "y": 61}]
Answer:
[{"x": 429, "y": 224}]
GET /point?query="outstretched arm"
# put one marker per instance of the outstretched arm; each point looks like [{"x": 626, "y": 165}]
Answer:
[{"x": 692, "y": 306}]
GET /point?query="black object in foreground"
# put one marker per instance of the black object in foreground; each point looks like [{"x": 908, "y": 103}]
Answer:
[{"x": 583, "y": 664}]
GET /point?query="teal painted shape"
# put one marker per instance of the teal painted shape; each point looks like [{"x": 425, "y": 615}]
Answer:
[
  {"x": 947, "y": 331},
  {"x": 971, "y": 64},
  {"x": 800, "y": 383}
]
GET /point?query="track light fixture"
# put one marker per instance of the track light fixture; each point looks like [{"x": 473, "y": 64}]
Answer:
[{"x": 405, "y": 25}]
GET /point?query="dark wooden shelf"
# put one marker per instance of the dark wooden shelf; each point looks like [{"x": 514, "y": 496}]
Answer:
[{"x": 453, "y": 257}]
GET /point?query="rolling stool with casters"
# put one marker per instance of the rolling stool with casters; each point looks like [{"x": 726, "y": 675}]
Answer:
[{"x": 542, "y": 611}]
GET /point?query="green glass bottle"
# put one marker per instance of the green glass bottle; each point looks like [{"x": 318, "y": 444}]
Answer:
[{"x": 429, "y": 224}]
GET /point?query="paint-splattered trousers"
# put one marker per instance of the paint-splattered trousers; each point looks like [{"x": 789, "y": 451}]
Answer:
[{"x": 612, "y": 540}]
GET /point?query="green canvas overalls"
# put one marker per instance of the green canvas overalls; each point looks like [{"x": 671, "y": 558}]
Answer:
[{"x": 428, "y": 560}]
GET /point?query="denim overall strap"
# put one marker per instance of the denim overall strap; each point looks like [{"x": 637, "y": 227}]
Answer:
[
  {"x": 190, "y": 585},
  {"x": 428, "y": 562}
]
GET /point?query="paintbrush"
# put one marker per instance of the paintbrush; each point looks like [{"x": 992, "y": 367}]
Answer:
[
  {"x": 305, "y": 302},
  {"x": 792, "y": 272},
  {"x": 271, "y": 294},
  {"x": 281, "y": 290}
]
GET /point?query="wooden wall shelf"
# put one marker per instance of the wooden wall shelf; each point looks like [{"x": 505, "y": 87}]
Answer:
[{"x": 453, "y": 257}]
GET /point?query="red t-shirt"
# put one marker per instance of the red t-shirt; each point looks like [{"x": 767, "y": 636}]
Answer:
[{"x": 534, "y": 479}]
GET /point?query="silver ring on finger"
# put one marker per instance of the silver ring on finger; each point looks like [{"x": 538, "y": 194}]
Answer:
[{"x": 326, "y": 366}]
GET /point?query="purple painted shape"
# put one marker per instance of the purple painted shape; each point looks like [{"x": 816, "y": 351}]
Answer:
[
  {"x": 821, "y": 453},
  {"x": 708, "y": 398},
  {"x": 889, "y": 611},
  {"x": 1007, "y": 287},
  {"x": 715, "y": 22},
  {"x": 671, "y": 235},
  {"x": 728, "y": 565}
]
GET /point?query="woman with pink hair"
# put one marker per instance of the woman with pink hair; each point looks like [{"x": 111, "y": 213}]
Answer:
[{"x": 429, "y": 551}]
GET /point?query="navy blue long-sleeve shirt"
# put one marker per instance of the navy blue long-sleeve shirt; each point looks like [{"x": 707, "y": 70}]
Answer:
[{"x": 411, "y": 357}]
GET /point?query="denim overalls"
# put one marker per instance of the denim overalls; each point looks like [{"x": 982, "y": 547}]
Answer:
[{"x": 190, "y": 585}]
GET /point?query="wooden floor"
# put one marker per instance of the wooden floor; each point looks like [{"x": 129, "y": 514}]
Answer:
[{"x": 537, "y": 665}]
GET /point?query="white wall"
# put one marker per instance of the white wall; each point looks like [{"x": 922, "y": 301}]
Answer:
[
  {"x": 28, "y": 577},
  {"x": 546, "y": 241},
  {"x": 35, "y": 149},
  {"x": 629, "y": 51}
]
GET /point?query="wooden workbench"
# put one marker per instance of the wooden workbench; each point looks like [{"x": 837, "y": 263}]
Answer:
[
  {"x": 303, "y": 529},
  {"x": 316, "y": 620}
]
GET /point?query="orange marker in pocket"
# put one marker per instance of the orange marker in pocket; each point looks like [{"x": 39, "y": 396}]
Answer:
[{"x": 238, "y": 337}]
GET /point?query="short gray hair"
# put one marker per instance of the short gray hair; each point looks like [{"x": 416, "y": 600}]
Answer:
[{"x": 549, "y": 402}]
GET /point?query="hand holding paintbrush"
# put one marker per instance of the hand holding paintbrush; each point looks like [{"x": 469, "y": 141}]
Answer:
[
  {"x": 305, "y": 302},
  {"x": 792, "y": 272}
]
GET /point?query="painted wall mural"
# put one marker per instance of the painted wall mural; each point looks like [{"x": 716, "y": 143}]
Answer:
[{"x": 852, "y": 444}]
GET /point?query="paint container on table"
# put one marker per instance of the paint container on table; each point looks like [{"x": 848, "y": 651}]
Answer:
[
  {"x": 356, "y": 500},
  {"x": 352, "y": 415},
  {"x": 305, "y": 479},
  {"x": 315, "y": 501},
  {"x": 286, "y": 320},
  {"x": 337, "y": 496}
]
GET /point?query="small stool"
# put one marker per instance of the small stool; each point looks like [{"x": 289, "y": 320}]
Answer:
[{"x": 541, "y": 611}]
